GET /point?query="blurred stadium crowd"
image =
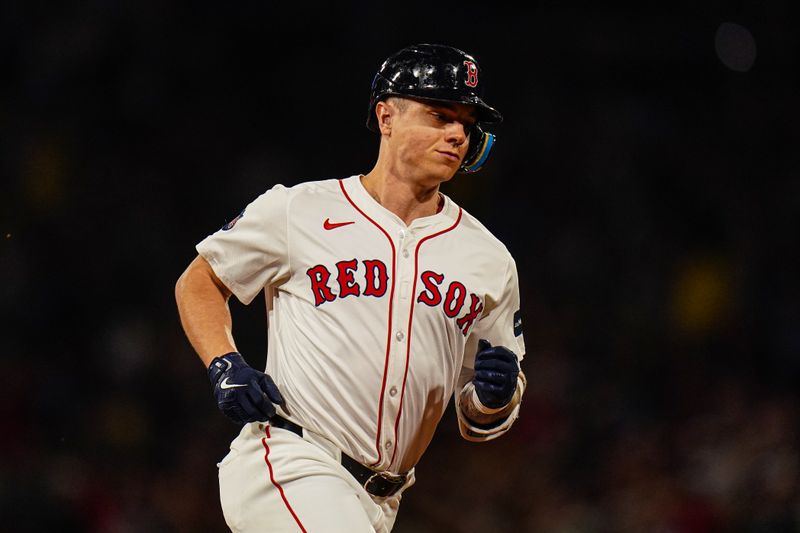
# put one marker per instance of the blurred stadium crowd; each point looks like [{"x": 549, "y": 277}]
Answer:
[{"x": 647, "y": 186}]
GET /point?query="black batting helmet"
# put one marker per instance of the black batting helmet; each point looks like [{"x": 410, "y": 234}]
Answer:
[{"x": 439, "y": 73}]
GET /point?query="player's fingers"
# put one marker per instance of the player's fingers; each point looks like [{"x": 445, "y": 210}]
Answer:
[
  {"x": 492, "y": 378},
  {"x": 495, "y": 399},
  {"x": 255, "y": 406},
  {"x": 253, "y": 392},
  {"x": 496, "y": 353},
  {"x": 271, "y": 390},
  {"x": 493, "y": 388},
  {"x": 261, "y": 402},
  {"x": 483, "y": 344},
  {"x": 497, "y": 365},
  {"x": 239, "y": 409},
  {"x": 498, "y": 362},
  {"x": 235, "y": 415},
  {"x": 265, "y": 408}
]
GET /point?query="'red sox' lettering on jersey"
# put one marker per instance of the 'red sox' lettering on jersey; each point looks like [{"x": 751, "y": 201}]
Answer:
[{"x": 376, "y": 281}]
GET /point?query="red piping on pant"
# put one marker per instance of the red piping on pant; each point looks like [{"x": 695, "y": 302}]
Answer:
[{"x": 277, "y": 485}]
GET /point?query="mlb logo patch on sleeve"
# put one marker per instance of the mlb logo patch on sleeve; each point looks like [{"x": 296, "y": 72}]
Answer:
[
  {"x": 233, "y": 222},
  {"x": 517, "y": 323}
]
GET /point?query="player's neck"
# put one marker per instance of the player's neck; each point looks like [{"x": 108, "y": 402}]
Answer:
[{"x": 405, "y": 199}]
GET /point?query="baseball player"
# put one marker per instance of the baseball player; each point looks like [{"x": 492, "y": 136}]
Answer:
[{"x": 384, "y": 300}]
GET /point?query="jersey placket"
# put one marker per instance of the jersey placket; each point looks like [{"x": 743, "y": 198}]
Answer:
[{"x": 399, "y": 350}]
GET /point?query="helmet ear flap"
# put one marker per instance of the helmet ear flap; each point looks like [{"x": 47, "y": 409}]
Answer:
[{"x": 480, "y": 144}]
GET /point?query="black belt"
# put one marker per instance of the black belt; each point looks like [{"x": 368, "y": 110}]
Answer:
[{"x": 379, "y": 484}]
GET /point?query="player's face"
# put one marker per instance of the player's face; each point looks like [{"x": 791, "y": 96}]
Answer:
[{"x": 430, "y": 140}]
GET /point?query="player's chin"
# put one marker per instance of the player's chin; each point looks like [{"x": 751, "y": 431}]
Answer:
[
  {"x": 449, "y": 175},
  {"x": 445, "y": 169},
  {"x": 441, "y": 174}
]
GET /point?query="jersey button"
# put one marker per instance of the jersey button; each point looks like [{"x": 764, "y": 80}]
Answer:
[
  {"x": 405, "y": 253},
  {"x": 393, "y": 391},
  {"x": 402, "y": 234},
  {"x": 388, "y": 445},
  {"x": 399, "y": 335}
]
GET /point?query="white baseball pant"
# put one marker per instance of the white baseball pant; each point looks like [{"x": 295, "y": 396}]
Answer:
[{"x": 273, "y": 480}]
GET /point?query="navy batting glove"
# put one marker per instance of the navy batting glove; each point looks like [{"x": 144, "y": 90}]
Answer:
[
  {"x": 496, "y": 370},
  {"x": 243, "y": 393}
]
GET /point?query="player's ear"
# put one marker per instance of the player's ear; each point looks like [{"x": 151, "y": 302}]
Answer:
[{"x": 385, "y": 111}]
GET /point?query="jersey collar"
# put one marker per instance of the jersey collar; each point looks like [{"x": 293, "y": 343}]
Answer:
[{"x": 366, "y": 202}]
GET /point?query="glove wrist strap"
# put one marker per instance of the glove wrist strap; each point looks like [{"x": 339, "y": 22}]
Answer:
[{"x": 221, "y": 364}]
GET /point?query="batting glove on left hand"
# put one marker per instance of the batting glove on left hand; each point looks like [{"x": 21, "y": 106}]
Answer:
[
  {"x": 243, "y": 393},
  {"x": 496, "y": 370}
]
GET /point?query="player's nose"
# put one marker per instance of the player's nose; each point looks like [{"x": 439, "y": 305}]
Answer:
[{"x": 456, "y": 133}]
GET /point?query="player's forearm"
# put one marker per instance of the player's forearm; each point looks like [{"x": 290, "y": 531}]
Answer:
[{"x": 203, "y": 308}]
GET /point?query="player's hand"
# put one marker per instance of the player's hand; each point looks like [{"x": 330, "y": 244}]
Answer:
[
  {"x": 496, "y": 370},
  {"x": 243, "y": 393}
]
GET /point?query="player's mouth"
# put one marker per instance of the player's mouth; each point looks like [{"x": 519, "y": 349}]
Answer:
[{"x": 452, "y": 156}]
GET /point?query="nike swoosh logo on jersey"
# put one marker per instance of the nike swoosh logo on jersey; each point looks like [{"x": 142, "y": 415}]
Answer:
[
  {"x": 226, "y": 385},
  {"x": 333, "y": 225}
]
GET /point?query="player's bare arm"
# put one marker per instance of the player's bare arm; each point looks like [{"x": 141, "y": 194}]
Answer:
[
  {"x": 203, "y": 307},
  {"x": 243, "y": 393}
]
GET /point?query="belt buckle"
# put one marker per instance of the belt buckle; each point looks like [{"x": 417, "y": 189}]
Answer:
[{"x": 394, "y": 479}]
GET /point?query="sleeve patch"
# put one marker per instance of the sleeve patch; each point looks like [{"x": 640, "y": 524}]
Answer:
[
  {"x": 233, "y": 222},
  {"x": 517, "y": 323}
]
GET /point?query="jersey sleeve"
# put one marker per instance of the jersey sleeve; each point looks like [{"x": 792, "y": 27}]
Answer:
[
  {"x": 502, "y": 324},
  {"x": 251, "y": 251}
]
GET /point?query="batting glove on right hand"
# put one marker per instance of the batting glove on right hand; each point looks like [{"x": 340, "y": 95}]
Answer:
[
  {"x": 243, "y": 393},
  {"x": 496, "y": 370}
]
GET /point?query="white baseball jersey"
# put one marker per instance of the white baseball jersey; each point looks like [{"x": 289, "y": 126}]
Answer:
[{"x": 371, "y": 321}]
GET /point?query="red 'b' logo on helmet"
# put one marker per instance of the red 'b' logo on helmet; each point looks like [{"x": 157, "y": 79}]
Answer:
[{"x": 472, "y": 74}]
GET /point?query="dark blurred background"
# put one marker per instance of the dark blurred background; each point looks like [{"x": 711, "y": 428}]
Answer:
[{"x": 645, "y": 179}]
